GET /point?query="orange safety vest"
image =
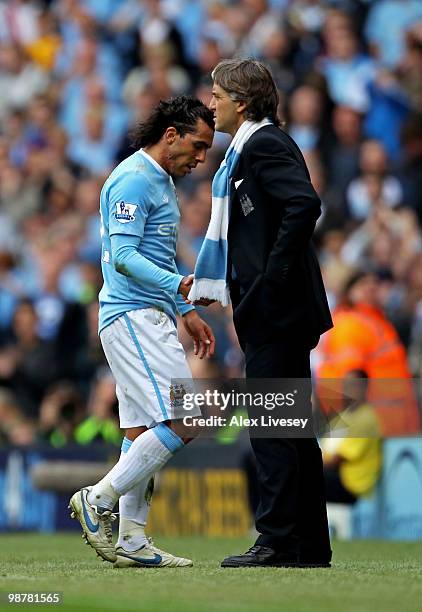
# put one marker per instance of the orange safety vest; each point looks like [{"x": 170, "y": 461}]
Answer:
[{"x": 362, "y": 338}]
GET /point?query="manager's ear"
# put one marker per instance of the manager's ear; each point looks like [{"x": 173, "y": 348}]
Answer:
[{"x": 240, "y": 107}]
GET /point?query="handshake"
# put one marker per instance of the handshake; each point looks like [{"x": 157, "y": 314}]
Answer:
[{"x": 184, "y": 289}]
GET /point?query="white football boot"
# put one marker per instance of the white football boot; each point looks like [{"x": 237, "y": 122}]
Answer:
[
  {"x": 149, "y": 555},
  {"x": 95, "y": 523}
]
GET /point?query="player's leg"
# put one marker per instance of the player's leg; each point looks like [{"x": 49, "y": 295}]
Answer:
[
  {"x": 95, "y": 512},
  {"x": 142, "y": 374},
  {"x": 167, "y": 362},
  {"x": 134, "y": 509},
  {"x": 134, "y": 548},
  {"x": 147, "y": 454},
  {"x": 93, "y": 506},
  {"x": 134, "y": 505}
]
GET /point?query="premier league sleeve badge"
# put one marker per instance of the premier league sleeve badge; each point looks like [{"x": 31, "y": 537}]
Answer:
[{"x": 125, "y": 213}]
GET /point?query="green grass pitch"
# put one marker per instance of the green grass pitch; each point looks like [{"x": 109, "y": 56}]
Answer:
[{"x": 366, "y": 576}]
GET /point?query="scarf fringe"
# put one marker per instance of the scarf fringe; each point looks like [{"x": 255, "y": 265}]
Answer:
[{"x": 210, "y": 289}]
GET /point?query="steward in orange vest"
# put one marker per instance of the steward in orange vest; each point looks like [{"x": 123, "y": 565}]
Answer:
[{"x": 363, "y": 339}]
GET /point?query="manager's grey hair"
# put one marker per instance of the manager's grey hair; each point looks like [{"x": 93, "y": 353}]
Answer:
[{"x": 249, "y": 81}]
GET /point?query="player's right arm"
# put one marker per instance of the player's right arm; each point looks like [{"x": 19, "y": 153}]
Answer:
[{"x": 128, "y": 211}]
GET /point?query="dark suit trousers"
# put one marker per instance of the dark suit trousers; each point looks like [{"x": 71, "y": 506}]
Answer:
[{"x": 291, "y": 514}]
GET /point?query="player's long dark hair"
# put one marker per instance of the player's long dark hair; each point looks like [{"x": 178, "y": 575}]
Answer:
[{"x": 181, "y": 112}]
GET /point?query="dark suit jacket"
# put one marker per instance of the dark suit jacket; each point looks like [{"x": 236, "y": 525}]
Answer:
[{"x": 275, "y": 281}]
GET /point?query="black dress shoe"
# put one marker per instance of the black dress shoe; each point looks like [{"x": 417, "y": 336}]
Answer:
[{"x": 261, "y": 556}]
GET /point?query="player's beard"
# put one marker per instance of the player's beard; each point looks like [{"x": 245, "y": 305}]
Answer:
[{"x": 170, "y": 157}]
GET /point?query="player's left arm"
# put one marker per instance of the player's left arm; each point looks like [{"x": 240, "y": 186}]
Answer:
[
  {"x": 129, "y": 207},
  {"x": 201, "y": 333},
  {"x": 198, "y": 330}
]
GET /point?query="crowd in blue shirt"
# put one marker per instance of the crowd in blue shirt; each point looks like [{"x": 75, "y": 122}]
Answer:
[{"x": 76, "y": 76}]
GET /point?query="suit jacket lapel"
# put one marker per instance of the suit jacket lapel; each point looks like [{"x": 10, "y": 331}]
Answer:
[{"x": 233, "y": 201}]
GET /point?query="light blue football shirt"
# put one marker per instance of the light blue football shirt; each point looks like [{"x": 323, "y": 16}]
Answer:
[{"x": 138, "y": 205}]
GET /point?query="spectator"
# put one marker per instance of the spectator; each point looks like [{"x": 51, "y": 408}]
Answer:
[
  {"x": 410, "y": 68},
  {"x": 74, "y": 76},
  {"x": 15, "y": 428},
  {"x": 387, "y": 110},
  {"x": 102, "y": 424},
  {"x": 347, "y": 69},
  {"x": 409, "y": 173},
  {"x": 91, "y": 149},
  {"x": 386, "y": 25},
  {"x": 20, "y": 80},
  {"x": 19, "y": 21},
  {"x": 374, "y": 181},
  {"x": 262, "y": 23},
  {"x": 305, "y": 117},
  {"x": 27, "y": 361},
  {"x": 343, "y": 157},
  {"x": 332, "y": 207},
  {"x": 196, "y": 212},
  {"x": 159, "y": 72},
  {"x": 414, "y": 305},
  {"x": 278, "y": 54},
  {"x": 44, "y": 46},
  {"x": 352, "y": 463},
  {"x": 60, "y": 413},
  {"x": 363, "y": 339}
]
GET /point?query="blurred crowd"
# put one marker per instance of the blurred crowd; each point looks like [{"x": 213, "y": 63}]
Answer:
[{"x": 77, "y": 75}]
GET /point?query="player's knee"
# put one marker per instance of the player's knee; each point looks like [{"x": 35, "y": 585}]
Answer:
[
  {"x": 186, "y": 432},
  {"x": 133, "y": 432}
]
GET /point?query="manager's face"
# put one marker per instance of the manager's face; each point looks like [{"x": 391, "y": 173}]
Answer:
[{"x": 226, "y": 111}]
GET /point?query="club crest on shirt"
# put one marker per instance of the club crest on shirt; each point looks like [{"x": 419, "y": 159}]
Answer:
[
  {"x": 246, "y": 204},
  {"x": 125, "y": 212},
  {"x": 177, "y": 393}
]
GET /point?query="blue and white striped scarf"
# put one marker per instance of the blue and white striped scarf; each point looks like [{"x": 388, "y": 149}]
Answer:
[{"x": 211, "y": 267}]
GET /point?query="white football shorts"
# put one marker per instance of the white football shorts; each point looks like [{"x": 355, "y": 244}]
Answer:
[{"x": 145, "y": 355}]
